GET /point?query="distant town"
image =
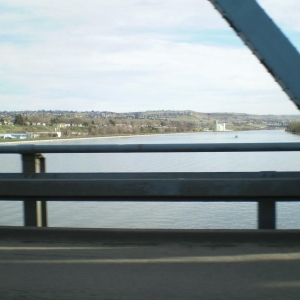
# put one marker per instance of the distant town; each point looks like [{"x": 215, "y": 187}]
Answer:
[{"x": 45, "y": 124}]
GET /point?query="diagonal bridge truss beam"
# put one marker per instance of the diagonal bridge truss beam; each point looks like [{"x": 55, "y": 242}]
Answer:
[{"x": 258, "y": 31}]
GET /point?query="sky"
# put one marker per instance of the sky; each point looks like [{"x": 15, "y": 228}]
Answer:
[{"x": 134, "y": 55}]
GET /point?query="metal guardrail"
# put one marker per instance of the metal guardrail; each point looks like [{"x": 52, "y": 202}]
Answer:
[
  {"x": 146, "y": 148},
  {"x": 35, "y": 187}
]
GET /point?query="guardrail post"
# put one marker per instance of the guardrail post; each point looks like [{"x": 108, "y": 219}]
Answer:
[
  {"x": 267, "y": 214},
  {"x": 35, "y": 212}
]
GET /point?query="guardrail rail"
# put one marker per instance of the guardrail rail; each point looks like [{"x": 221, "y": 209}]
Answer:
[{"x": 35, "y": 187}]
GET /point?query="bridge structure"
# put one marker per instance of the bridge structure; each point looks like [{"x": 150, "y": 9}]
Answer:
[{"x": 35, "y": 187}]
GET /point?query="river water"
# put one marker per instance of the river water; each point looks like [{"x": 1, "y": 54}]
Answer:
[{"x": 163, "y": 215}]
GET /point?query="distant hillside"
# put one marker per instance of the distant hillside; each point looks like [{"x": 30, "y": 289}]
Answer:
[
  {"x": 101, "y": 123},
  {"x": 234, "y": 121}
]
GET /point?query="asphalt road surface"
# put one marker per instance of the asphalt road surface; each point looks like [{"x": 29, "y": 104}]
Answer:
[{"x": 96, "y": 270}]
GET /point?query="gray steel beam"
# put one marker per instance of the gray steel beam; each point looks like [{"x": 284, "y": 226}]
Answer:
[
  {"x": 266, "y": 41},
  {"x": 154, "y": 175},
  {"x": 145, "y": 148},
  {"x": 234, "y": 187},
  {"x": 35, "y": 212},
  {"x": 266, "y": 214},
  {"x": 43, "y": 203},
  {"x": 31, "y": 215}
]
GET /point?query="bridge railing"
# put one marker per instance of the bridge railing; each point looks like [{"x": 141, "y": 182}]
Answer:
[{"x": 35, "y": 187}]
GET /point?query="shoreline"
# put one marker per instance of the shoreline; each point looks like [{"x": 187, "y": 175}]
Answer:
[
  {"x": 120, "y": 136},
  {"x": 93, "y": 138}
]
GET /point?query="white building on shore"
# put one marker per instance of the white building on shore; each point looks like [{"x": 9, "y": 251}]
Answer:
[{"x": 219, "y": 127}]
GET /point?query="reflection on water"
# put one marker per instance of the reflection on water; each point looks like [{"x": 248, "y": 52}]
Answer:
[{"x": 163, "y": 215}]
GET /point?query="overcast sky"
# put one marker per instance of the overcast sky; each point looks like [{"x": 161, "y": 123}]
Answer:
[{"x": 134, "y": 55}]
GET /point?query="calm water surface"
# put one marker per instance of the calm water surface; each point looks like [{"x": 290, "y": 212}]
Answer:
[{"x": 163, "y": 215}]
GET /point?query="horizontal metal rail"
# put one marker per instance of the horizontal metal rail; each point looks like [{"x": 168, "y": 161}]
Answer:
[
  {"x": 35, "y": 187},
  {"x": 146, "y": 148},
  {"x": 153, "y": 186}
]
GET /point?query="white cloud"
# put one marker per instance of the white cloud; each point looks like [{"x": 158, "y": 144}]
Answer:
[
  {"x": 132, "y": 55},
  {"x": 124, "y": 13}
]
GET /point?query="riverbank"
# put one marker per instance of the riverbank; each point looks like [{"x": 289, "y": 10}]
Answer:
[
  {"x": 88, "y": 138},
  {"x": 63, "y": 139},
  {"x": 96, "y": 137}
]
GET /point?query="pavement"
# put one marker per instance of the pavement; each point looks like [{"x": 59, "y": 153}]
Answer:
[{"x": 148, "y": 264}]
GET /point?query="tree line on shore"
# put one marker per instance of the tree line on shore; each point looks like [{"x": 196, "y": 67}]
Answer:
[
  {"x": 72, "y": 123},
  {"x": 99, "y": 127},
  {"x": 113, "y": 128},
  {"x": 293, "y": 127}
]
